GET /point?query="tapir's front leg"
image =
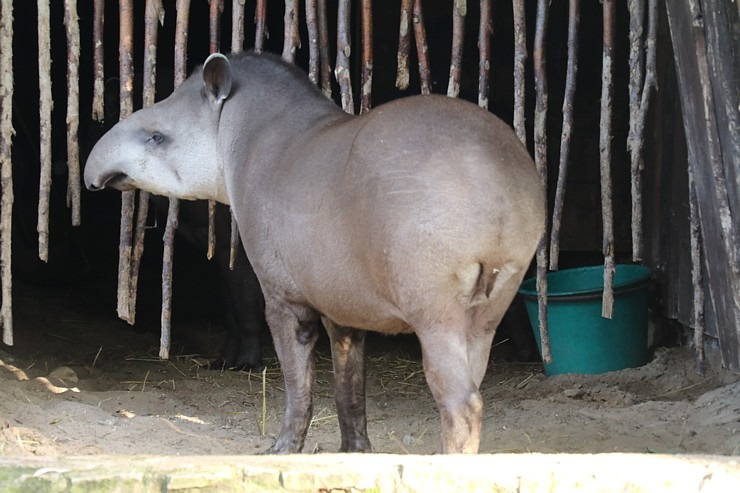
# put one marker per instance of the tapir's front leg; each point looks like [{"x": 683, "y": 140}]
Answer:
[
  {"x": 348, "y": 355},
  {"x": 294, "y": 331}
]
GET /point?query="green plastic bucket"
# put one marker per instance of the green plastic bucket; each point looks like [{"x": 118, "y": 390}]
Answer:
[{"x": 581, "y": 340}]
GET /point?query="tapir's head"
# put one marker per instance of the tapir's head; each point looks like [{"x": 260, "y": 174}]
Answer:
[{"x": 169, "y": 148}]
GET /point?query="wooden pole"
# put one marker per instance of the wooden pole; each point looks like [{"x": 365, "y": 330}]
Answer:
[
  {"x": 237, "y": 43},
  {"x": 260, "y": 15},
  {"x": 697, "y": 281},
  {"x": 74, "y": 182},
  {"x": 181, "y": 47},
  {"x": 420, "y": 35},
  {"x": 154, "y": 12},
  {"x": 291, "y": 39},
  {"x": 485, "y": 30},
  {"x": 540, "y": 158},
  {"x": 216, "y": 9},
  {"x": 237, "y": 26},
  {"x": 324, "y": 48},
  {"x": 45, "y": 107},
  {"x": 520, "y": 58},
  {"x": 404, "y": 32},
  {"x": 639, "y": 105},
  {"x": 98, "y": 105},
  {"x": 126, "y": 48},
  {"x": 342, "y": 70},
  {"x": 605, "y": 137},
  {"x": 459, "y": 11},
  {"x": 6, "y": 167},
  {"x": 312, "y": 25},
  {"x": 570, "y": 91},
  {"x": 367, "y": 56}
]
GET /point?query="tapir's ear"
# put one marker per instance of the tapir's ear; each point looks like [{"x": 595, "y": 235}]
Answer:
[{"x": 217, "y": 79}]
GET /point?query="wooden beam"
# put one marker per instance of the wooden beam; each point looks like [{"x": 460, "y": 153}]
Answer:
[
  {"x": 373, "y": 472},
  {"x": 705, "y": 68}
]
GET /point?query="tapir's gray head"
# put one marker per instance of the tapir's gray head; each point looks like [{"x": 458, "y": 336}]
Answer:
[{"x": 171, "y": 147}]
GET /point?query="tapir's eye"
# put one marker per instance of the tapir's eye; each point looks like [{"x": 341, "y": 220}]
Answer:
[{"x": 156, "y": 138}]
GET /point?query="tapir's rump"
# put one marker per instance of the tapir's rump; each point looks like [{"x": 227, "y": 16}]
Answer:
[{"x": 421, "y": 215}]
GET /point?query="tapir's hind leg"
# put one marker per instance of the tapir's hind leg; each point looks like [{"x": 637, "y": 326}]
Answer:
[
  {"x": 348, "y": 355},
  {"x": 294, "y": 331},
  {"x": 486, "y": 318},
  {"x": 445, "y": 354}
]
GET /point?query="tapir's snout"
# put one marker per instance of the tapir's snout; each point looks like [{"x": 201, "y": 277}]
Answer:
[{"x": 116, "y": 180}]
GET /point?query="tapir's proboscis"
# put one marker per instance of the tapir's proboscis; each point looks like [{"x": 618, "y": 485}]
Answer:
[{"x": 421, "y": 215}]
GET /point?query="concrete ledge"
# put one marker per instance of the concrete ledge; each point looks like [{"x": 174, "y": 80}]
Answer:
[{"x": 373, "y": 473}]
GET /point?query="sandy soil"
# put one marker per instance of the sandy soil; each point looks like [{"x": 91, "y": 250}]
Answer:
[{"x": 78, "y": 381}]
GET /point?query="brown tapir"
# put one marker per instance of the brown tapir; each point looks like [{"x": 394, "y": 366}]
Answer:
[{"x": 420, "y": 216}]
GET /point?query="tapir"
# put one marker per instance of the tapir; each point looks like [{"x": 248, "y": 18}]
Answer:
[{"x": 421, "y": 215}]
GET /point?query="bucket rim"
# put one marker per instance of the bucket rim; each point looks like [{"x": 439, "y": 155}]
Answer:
[{"x": 637, "y": 277}]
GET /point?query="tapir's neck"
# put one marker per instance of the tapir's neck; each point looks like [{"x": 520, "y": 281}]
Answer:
[{"x": 271, "y": 109}]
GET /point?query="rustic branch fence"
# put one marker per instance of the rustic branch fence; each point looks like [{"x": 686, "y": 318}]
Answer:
[{"x": 642, "y": 60}]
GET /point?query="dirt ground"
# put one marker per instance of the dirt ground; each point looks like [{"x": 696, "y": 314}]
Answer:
[{"x": 78, "y": 381}]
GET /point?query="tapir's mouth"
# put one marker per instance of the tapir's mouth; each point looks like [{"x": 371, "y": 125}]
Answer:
[{"x": 119, "y": 181}]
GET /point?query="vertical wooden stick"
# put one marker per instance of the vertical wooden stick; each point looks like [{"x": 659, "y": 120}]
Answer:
[
  {"x": 485, "y": 30},
  {"x": 342, "y": 70},
  {"x": 459, "y": 11},
  {"x": 570, "y": 91},
  {"x": 74, "y": 183},
  {"x": 324, "y": 48},
  {"x": 260, "y": 15},
  {"x": 605, "y": 137},
  {"x": 237, "y": 26},
  {"x": 237, "y": 43},
  {"x": 367, "y": 56},
  {"x": 697, "y": 281},
  {"x": 126, "y": 48},
  {"x": 540, "y": 158},
  {"x": 420, "y": 35},
  {"x": 6, "y": 170},
  {"x": 312, "y": 26},
  {"x": 154, "y": 12},
  {"x": 98, "y": 105},
  {"x": 636, "y": 138},
  {"x": 636, "y": 9},
  {"x": 404, "y": 31},
  {"x": 216, "y": 8},
  {"x": 181, "y": 48},
  {"x": 45, "y": 106},
  {"x": 291, "y": 39},
  {"x": 520, "y": 58}
]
